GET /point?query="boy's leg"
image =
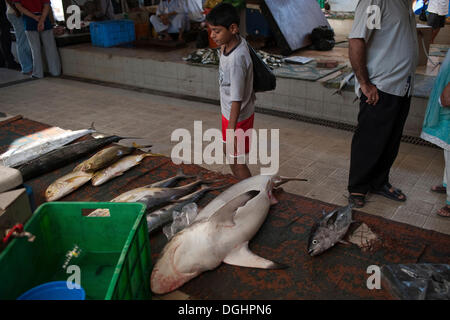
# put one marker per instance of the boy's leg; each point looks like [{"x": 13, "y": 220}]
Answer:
[{"x": 445, "y": 211}]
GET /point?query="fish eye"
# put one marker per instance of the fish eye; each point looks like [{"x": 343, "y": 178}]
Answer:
[{"x": 315, "y": 242}]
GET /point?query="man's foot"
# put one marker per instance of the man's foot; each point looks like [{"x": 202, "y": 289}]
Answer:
[
  {"x": 439, "y": 189},
  {"x": 357, "y": 199},
  {"x": 444, "y": 211},
  {"x": 390, "y": 192}
]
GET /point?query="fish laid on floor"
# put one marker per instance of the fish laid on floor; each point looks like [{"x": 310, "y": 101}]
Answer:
[
  {"x": 153, "y": 197},
  {"x": 105, "y": 157},
  {"x": 158, "y": 218},
  {"x": 62, "y": 156},
  {"x": 16, "y": 156},
  {"x": 420, "y": 281},
  {"x": 169, "y": 182},
  {"x": 118, "y": 168},
  {"x": 344, "y": 82},
  {"x": 330, "y": 230},
  {"x": 220, "y": 233},
  {"x": 66, "y": 184}
]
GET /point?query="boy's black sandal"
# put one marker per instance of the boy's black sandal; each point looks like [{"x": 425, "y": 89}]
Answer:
[
  {"x": 357, "y": 200},
  {"x": 394, "y": 195}
]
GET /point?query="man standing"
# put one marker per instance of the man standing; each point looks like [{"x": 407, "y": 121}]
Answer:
[
  {"x": 437, "y": 9},
  {"x": 6, "y": 57},
  {"x": 383, "y": 52}
]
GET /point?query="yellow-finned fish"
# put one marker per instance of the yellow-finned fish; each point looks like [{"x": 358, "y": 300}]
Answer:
[
  {"x": 119, "y": 167},
  {"x": 66, "y": 184},
  {"x": 105, "y": 157}
]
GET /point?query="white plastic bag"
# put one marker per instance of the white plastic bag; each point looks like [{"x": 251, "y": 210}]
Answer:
[{"x": 181, "y": 220}]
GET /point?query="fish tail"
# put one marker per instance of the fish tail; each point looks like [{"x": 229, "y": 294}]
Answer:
[
  {"x": 92, "y": 127},
  {"x": 180, "y": 173},
  {"x": 150, "y": 154},
  {"x": 137, "y": 146}
]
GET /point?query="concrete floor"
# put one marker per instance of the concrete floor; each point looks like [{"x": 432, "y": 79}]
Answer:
[{"x": 317, "y": 153}]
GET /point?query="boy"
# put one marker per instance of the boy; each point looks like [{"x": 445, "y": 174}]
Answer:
[{"x": 237, "y": 98}]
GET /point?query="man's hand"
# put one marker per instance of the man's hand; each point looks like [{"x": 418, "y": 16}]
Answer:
[
  {"x": 40, "y": 26},
  {"x": 371, "y": 92},
  {"x": 165, "y": 19},
  {"x": 37, "y": 18}
]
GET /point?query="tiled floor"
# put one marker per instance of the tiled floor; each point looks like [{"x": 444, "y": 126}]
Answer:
[{"x": 317, "y": 153}]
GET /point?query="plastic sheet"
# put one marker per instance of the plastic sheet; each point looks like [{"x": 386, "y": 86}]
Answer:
[{"x": 181, "y": 220}]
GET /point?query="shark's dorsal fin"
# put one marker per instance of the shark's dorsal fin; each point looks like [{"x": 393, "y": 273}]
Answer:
[
  {"x": 243, "y": 257},
  {"x": 225, "y": 215}
]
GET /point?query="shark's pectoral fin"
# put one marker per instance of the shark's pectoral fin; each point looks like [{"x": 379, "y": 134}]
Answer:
[{"x": 242, "y": 256}]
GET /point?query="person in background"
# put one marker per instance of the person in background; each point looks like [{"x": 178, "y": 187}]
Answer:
[
  {"x": 436, "y": 125},
  {"x": 384, "y": 84},
  {"x": 6, "y": 57},
  {"x": 437, "y": 9},
  {"x": 170, "y": 17},
  {"x": 38, "y": 27},
  {"x": 102, "y": 10},
  {"x": 23, "y": 48}
]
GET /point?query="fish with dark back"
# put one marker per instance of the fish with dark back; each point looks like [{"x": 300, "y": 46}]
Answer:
[{"x": 330, "y": 230}]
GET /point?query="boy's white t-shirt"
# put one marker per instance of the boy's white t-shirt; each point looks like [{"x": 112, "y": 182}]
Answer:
[{"x": 236, "y": 81}]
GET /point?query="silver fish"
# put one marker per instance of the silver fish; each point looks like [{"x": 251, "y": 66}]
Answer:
[
  {"x": 329, "y": 230},
  {"x": 118, "y": 168},
  {"x": 166, "y": 183},
  {"x": 19, "y": 155},
  {"x": 158, "y": 218},
  {"x": 343, "y": 83}
]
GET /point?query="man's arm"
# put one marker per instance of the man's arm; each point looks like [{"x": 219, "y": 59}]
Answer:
[
  {"x": 357, "y": 55},
  {"x": 43, "y": 16},
  {"x": 26, "y": 12},
  {"x": 445, "y": 96}
]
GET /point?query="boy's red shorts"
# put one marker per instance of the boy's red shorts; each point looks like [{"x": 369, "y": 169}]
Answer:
[{"x": 244, "y": 125}]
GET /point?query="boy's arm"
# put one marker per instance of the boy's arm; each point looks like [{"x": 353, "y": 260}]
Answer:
[{"x": 234, "y": 114}]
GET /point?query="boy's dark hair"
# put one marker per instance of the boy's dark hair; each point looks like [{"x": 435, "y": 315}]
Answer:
[{"x": 224, "y": 14}]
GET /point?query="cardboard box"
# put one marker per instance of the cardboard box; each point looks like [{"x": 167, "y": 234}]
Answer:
[
  {"x": 424, "y": 32},
  {"x": 9, "y": 178},
  {"x": 14, "y": 208}
]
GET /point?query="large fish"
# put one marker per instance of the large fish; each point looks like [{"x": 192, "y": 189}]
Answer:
[
  {"x": 153, "y": 197},
  {"x": 118, "y": 168},
  {"x": 17, "y": 156},
  {"x": 158, "y": 218},
  {"x": 330, "y": 230},
  {"x": 220, "y": 233},
  {"x": 169, "y": 182},
  {"x": 66, "y": 184},
  {"x": 105, "y": 157},
  {"x": 62, "y": 156}
]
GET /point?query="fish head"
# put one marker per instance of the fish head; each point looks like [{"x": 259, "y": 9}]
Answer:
[
  {"x": 175, "y": 266},
  {"x": 55, "y": 191},
  {"x": 319, "y": 239}
]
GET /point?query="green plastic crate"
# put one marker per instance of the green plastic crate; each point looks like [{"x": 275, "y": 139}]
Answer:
[{"x": 115, "y": 262}]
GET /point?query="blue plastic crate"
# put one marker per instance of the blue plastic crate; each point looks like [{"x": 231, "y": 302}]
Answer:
[{"x": 112, "y": 33}]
